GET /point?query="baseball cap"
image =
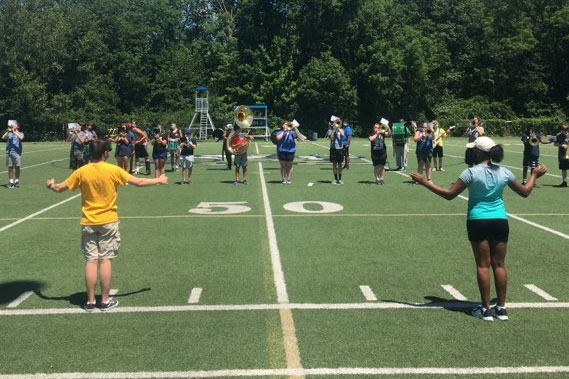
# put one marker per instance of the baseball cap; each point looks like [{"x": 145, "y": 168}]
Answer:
[
  {"x": 188, "y": 131},
  {"x": 482, "y": 143}
]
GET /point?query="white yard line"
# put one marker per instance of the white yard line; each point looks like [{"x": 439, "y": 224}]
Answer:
[
  {"x": 39, "y": 164},
  {"x": 538, "y": 291},
  {"x": 454, "y": 292},
  {"x": 20, "y": 299},
  {"x": 290, "y": 341},
  {"x": 195, "y": 295},
  {"x": 299, "y": 372},
  {"x": 368, "y": 293},
  {"x": 38, "y": 213},
  {"x": 279, "y": 307},
  {"x": 257, "y": 148}
]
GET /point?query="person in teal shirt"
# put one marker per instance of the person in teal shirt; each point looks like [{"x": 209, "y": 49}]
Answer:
[{"x": 487, "y": 223}]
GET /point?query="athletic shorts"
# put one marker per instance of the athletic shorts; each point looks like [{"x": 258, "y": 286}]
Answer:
[
  {"x": 187, "y": 161},
  {"x": 424, "y": 157},
  {"x": 240, "y": 160},
  {"x": 163, "y": 155},
  {"x": 140, "y": 151},
  {"x": 379, "y": 157},
  {"x": 438, "y": 152},
  {"x": 285, "y": 156},
  {"x": 564, "y": 164},
  {"x": 496, "y": 229},
  {"x": 336, "y": 155},
  {"x": 530, "y": 161},
  {"x": 13, "y": 160},
  {"x": 100, "y": 241}
]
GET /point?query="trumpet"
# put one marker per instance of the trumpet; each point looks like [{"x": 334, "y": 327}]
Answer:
[{"x": 533, "y": 140}]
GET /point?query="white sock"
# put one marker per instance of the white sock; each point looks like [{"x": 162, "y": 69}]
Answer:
[{"x": 11, "y": 181}]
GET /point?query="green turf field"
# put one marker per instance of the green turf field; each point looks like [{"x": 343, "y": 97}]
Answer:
[{"x": 302, "y": 280}]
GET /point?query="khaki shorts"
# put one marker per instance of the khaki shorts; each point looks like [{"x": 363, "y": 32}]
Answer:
[
  {"x": 100, "y": 241},
  {"x": 13, "y": 160}
]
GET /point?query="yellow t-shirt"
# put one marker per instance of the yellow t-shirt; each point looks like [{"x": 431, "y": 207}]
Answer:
[
  {"x": 98, "y": 184},
  {"x": 439, "y": 134}
]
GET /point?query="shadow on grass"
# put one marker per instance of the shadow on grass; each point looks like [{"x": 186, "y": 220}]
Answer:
[
  {"x": 79, "y": 298},
  {"x": 553, "y": 186},
  {"x": 366, "y": 182},
  {"x": 452, "y": 305},
  {"x": 10, "y": 291},
  {"x": 325, "y": 181}
]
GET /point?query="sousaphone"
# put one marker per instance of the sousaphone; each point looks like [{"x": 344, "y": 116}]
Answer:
[{"x": 238, "y": 143}]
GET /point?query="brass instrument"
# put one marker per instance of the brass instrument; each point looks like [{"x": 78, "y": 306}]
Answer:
[
  {"x": 383, "y": 128},
  {"x": 112, "y": 133},
  {"x": 243, "y": 117},
  {"x": 533, "y": 141}
]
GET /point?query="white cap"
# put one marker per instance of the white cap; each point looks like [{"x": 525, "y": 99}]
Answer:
[
  {"x": 228, "y": 126},
  {"x": 333, "y": 118},
  {"x": 482, "y": 143},
  {"x": 12, "y": 123},
  {"x": 384, "y": 122}
]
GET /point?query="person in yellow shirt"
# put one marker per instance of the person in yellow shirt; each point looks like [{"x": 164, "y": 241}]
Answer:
[
  {"x": 100, "y": 237},
  {"x": 438, "y": 135}
]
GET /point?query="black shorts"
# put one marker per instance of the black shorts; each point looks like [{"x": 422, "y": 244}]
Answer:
[
  {"x": 140, "y": 151},
  {"x": 379, "y": 157},
  {"x": 469, "y": 157},
  {"x": 424, "y": 157},
  {"x": 564, "y": 164},
  {"x": 438, "y": 151},
  {"x": 530, "y": 161},
  {"x": 494, "y": 229},
  {"x": 336, "y": 155},
  {"x": 285, "y": 156}
]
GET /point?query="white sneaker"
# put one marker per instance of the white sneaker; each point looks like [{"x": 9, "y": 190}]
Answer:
[{"x": 483, "y": 314}]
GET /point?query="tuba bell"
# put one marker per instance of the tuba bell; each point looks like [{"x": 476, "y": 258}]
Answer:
[
  {"x": 238, "y": 143},
  {"x": 533, "y": 141}
]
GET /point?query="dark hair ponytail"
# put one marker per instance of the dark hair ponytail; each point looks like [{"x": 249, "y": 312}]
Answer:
[{"x": 496, "y": 154}]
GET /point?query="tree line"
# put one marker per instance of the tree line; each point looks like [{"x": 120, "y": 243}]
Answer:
[{"x": 108, "y": 61}]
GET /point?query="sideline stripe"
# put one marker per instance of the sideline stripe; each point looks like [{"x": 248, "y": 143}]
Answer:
[
  {"x": 38, "y": 213},
  {"x": 290, "y": 341},
  {"x": 39, "y": 164},
  {"x": 368, "y": 293},
  {"x": 20, "y": 299},
  {"x": 538, "y": 291},
  {"x": 300, "y": 372},
  {"x": 276, "y": 307},
  {"x": 195, "y": 295},
  {"x": 454, "y": 292}
]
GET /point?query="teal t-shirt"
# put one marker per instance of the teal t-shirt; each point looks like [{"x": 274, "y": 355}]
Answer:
[{"x": 485, "y": 188}]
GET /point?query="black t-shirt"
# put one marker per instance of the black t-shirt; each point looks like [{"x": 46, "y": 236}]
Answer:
[
  {"x": 158, "y": 148},
  {"x": 186, "y": 148}
]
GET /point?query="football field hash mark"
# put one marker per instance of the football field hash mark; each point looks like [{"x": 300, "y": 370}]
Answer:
[
  {"x": 195, "y": 295},
  {"x": 454, "y": 292},
  {"x": 368, "y": 293},
  {"x": 538, "y": 291}
]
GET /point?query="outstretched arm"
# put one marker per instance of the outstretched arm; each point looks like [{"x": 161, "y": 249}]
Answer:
[
  {"x": 144, "y": 182},
  {"x": 448, "y": 193},
  {"x": 525, "y": 189},
  {"x": 55, "y": 187}
]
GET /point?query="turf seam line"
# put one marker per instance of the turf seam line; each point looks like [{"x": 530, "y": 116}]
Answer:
[
  {"x": 299, "y": 372},
  {"x": 290, "y": 341},
  {"x": 38, "y": 213},
  {"x": 541, "y": 293}
]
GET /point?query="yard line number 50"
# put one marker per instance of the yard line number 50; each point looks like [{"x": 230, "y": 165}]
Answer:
[{"x": 236, "y": 207}]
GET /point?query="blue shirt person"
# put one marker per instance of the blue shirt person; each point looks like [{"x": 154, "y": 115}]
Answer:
[{"x": 13, "y": 137}]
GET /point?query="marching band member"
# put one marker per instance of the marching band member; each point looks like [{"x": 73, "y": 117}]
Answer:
[
  {"x": 13, "y": 137},
  {"x": 159, "y": 150},
  {"x": 224, "y": 150},
  {"x": 286, "y": 147},
  {"x": 123, "y": 148},
  {"x": 347, "y": 140},
  {"x": 76, "y": 139},
  {"x": 174, "y": 145},
  {"x": 187, "y": 145},
  {"x": 88, "y": 136},
  {"x": 337, "y": 150},
  {"x": 487, "y": 222},
  {"x": 400, "y": 141},
  {"x": 424, "y": 151},
  {"x": 474, "y": 131},
  {"x": 531, "y": 141},
  {"x": 438, "y": 135},
  {"x": 140, "y": 142},
  {"x": 240, "y": 160},
  {"x": 379, "y": 151},
  {"x": 562, "y": 142}
]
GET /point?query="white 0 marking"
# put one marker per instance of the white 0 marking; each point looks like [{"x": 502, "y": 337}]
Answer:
[
  {"x": 298, "y": 207},
  {"x": 231, "y": 207}
]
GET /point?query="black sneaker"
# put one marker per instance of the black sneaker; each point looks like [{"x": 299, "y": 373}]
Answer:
[
  {"x": 501, "y": 314},
  {"x": 89, "y": 307},
  {"x": 110, "y": 304},
  {"x": 11, "y": 185},
  {"x": 17, "y": 184},
  {"x": 563, "y": 184},
  {"x": 483, "y": 314}
]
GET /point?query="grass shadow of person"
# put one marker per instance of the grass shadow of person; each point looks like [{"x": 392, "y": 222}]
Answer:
[
  {"x": 452, "y": 305},
  {"x": 80, "y": 298},
  {"x": 10, "y": 291}
]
